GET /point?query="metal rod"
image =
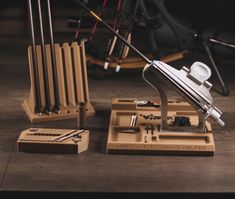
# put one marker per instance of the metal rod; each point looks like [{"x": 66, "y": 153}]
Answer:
[
  {"x": 225, "y": 90},
  {"x": 115, "y": 33},
  {"x": 55, "y": 76},
  {"x": 44, "y": 62},
  {"x": 34, "y": 58},
  {"x": 63, "y": 135},
  {"x": 222, "y": 43},
  {"x": 71, "y": 135}
]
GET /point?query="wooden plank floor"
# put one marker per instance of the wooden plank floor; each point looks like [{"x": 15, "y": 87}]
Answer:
[{"x": 94, "y": 170}]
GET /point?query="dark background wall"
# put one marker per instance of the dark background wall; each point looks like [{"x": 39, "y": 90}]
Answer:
[
  {"x": 218, "y": 14},
  {"x": 215, "y": 17}
]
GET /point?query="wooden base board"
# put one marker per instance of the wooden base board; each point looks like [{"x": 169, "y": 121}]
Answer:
[
  {"x": 167, "y": 143},
  {"x": 183, "y": 140},
  {"x": 67, "y": 114},
  {"x": 39, "y": 143}
]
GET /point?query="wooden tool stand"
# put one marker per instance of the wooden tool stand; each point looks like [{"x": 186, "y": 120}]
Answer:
[
  {"x": 135, "y": 129},
  {"x": 61, "y": 141},
  {"x": 58, "y": 73},
  {"x": 72, "y": 82}
]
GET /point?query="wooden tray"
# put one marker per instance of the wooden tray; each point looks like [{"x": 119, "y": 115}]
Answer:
[{"x": 145, "y": 136}]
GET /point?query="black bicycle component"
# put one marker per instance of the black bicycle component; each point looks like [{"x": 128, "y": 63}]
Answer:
[{"x": 186, "y": 38}]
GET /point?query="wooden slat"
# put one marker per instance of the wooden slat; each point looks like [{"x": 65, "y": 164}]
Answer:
[
  {"x": 40, "y": 73},
  {"x": 84, "y": 70},
  {"x": 69, "y": 73},
  {"x": 60, "y": 72},
  {"x": 50, "y": 75},
  {"x": 78, "y": 71},
  {"x": 32, "y": 101}
]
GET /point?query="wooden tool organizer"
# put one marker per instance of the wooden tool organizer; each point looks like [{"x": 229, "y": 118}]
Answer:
[
  {"x": 72, "y": 82},
  {"x": 61, "y": 141},
  {"x": 135, "y": 129},
  {"x": 58, "y": 73}
]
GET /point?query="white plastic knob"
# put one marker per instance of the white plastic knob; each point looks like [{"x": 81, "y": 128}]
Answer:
[{"x": 200, "y": 71}]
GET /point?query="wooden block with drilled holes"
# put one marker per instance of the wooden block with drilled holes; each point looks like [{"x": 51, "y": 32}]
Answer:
[
  {"x": 145, "y": 137},
  {"x": 43, "y": 140}
]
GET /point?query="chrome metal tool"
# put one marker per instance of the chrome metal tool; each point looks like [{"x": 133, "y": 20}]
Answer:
[{"x": 191, "y": 83}]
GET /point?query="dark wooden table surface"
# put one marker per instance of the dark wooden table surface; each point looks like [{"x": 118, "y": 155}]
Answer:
[{"x": 94, "y": 170}]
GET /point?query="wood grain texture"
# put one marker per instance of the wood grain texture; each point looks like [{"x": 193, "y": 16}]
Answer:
[{"x": 94, "y": 170}]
